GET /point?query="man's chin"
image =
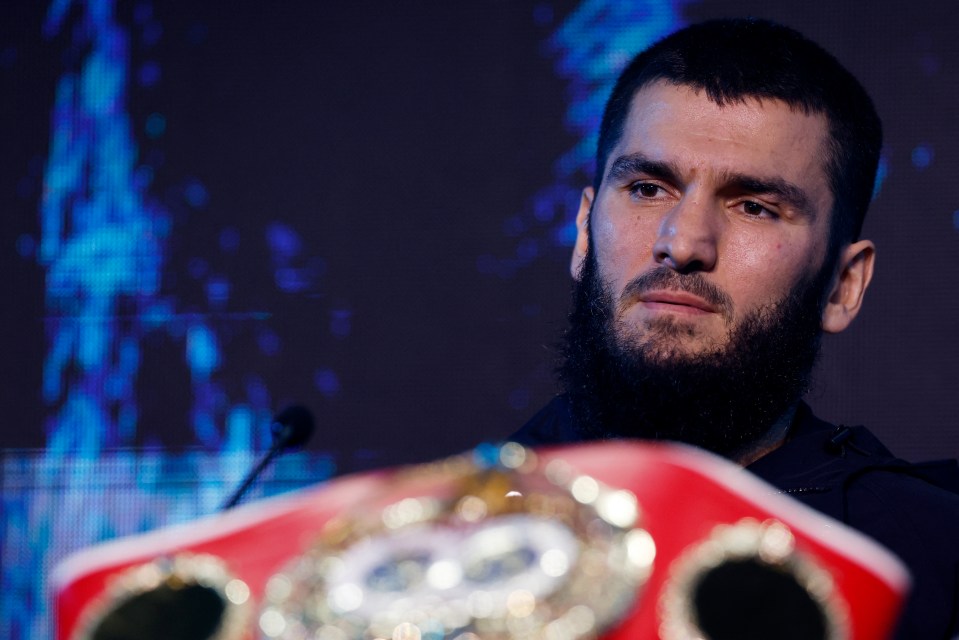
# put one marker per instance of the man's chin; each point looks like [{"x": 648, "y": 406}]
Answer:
[{"x": 669, "y": 342}]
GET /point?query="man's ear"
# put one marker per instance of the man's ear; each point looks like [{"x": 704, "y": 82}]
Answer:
[
  {"x": 582, "y": 233},
  {"x": 845, "y": 299}
]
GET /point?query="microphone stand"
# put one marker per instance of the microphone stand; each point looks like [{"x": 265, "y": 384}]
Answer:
[
  {"x": 265, "y": 460},
  {"x": 291, "y": 428}
]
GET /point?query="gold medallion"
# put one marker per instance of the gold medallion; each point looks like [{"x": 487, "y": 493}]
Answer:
[
  {"x": 748, "y": 580},
  {"x": 490, "y": 549},
  {"x": 187, "y": 596}
]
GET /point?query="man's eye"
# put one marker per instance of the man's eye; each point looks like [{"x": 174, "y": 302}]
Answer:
[
  {"x": 755, "y": 209},
  {"x": 645, "y": 189}
]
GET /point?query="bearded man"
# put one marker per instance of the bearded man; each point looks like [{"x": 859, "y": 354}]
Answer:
[{"x": 735, "y": 163}]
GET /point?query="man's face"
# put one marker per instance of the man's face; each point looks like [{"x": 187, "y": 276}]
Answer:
[{"x": 706, "y": 214}]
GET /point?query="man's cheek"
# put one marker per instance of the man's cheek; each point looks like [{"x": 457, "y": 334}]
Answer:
[
  {"x": 623, "y": 254},
  {"x": 764, "y": 264}
]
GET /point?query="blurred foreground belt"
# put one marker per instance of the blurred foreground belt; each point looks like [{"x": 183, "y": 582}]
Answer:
[{"x": 611, "y": 540}]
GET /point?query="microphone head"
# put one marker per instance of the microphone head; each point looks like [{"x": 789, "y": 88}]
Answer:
[{"x": 292, "y": 427}]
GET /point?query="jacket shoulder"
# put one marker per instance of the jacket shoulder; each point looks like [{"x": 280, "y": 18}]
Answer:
[{"x": 919, "y": 522}]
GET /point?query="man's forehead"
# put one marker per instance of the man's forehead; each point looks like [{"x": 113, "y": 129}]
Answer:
[{"x": 763, "y": 136}]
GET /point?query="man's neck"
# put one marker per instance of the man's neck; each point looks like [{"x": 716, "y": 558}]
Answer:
[{"x": 771, "y": 440}]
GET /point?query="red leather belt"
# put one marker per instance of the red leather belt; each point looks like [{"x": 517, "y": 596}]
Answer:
[{"x": 613, "y": 540}]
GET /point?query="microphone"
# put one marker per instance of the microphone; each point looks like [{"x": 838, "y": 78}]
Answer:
[{"x": 291, "y": 428}]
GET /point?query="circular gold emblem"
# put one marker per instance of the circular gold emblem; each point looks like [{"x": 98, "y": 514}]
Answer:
[
  {"x": 748, "y": 580},
  {"x": 492, "y": 550},
  {"x": 188, "y": 597}
]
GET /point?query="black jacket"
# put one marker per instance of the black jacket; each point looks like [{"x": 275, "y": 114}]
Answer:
[{"x": 846, "y": 473}]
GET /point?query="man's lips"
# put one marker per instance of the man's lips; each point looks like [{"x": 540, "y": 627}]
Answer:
[{"x": 678, "y": 301}]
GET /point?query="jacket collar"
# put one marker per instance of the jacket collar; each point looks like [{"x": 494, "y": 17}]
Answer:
[{"x": 818, "y": 460}]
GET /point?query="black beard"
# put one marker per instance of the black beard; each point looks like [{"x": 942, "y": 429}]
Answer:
[{"x": 722, "y": 400}]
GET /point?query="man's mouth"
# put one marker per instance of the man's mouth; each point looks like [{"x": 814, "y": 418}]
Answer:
[{"x": 675, "y": 301}]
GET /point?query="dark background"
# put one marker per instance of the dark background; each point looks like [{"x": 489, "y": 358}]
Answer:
[{"x": 402, "y": 141}]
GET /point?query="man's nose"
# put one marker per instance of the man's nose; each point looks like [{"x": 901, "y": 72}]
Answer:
[{"x": 687, "y": 237}]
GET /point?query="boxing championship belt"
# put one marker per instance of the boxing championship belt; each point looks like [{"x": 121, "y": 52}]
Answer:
[{"x": 616, "y": 540}]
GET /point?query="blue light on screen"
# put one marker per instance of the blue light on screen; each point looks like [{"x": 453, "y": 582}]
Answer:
[{"x": 103, "y": 244}]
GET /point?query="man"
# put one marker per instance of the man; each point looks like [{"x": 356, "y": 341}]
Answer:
[{"x": 735, "y": 164}]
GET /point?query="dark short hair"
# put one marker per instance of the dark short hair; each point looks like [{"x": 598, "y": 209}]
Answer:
[{"x": 732, "y": 60}]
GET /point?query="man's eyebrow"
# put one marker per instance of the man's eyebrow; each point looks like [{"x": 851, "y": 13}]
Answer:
[
  {"x": 628, "y": 166},
  {"x": 785, "y": 191}
]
